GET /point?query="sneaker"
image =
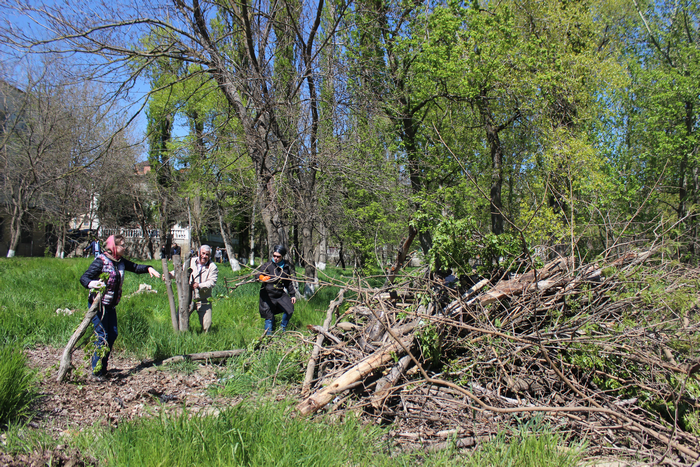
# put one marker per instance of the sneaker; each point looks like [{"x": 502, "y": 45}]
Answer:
[{"x": 97, "y": 378}]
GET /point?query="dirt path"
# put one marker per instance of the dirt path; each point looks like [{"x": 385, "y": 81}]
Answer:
[{"x": 132, "y": 389}]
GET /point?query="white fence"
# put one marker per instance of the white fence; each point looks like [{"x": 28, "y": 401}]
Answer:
[{"x": 179, "y": 234}]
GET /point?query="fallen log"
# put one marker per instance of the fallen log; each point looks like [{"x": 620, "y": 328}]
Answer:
[
  {"x": 358, "y": 371},
  {"x": 385, "y": 383},
  {"x": 215, "y": 355},
  {"x": 65, "y": 364},
  {"x": 540, "y": 279}
]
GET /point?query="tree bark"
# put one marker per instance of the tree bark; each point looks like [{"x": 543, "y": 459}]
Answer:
[
  {"x": 171, "y": 296},
  {"x": 15, "y": 230},
  {"x": 233, "y": 261},
  {"x": 401, "y": 254},
  {"x": 384, "y": 384},
  {"x": 322, "y": 256},
  {"x": 308, "y": 249},
  {"x": 184, "y": 294},
  {"x": 60, "y": 241},
  {"x": 251, "y": 258},
  {"x": 65, "y": 363}
]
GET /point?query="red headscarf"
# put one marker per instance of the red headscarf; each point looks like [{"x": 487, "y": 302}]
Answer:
[{"x": 111, "y": 247}]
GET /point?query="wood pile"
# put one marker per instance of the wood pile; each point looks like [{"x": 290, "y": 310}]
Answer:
[{"x": 584, "y": 350}]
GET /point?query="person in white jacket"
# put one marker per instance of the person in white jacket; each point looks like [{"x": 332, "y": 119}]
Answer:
[{"x": 203, "y": 274}]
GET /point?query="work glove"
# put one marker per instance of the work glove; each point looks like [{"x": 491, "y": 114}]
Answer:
[
  {"x": 264, "y": 278},
  {"x": 96, "y": 284}
]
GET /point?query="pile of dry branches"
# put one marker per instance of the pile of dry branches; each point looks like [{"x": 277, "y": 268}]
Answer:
[{"x": 598, "y": 352}]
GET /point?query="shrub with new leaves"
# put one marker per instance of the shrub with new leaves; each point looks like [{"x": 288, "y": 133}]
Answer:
[{"x": 457, "y": 244}]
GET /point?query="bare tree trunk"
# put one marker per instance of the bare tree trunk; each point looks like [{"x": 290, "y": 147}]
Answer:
[
  {"x": 171, "y": 296},
  {"x": 308, "y": 251},
  {"x": 269, "y": 229},
  {"x": 322, "y": 255},
  {"x": 235, "y": 266},
  {"x": 341, "y": 257},
  {"x": 15, "y": 230},
  {"x": 60, "y": 241},
  {"x": 184, "y": 294},
  {"x": 251, "y": 259},
  {"x": 167, "y": 240},
  {"x": 138, "y": 210},
  {"x": 272, "y": 218}
]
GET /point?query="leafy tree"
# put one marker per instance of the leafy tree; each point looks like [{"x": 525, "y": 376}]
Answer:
[{"x": 662, "y": 48}]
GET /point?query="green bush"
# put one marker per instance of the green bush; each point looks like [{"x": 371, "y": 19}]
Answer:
[{"x": 17, "y": 390}]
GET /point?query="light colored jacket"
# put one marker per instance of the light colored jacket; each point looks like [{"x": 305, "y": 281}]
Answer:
[{"x": 206, "y": 278}]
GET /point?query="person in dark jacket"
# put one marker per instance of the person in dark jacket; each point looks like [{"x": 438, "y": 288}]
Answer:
[
  {"x": 277, "y": 292},
  {"x": 105, "y": 321},
  {"x": 93, "y": 247}
]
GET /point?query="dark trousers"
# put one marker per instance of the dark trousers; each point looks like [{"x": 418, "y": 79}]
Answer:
[{"x": 105, "y": 324}]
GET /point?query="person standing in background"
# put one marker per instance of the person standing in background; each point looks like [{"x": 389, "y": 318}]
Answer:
[
  {"x": 94, "y": 247},
  {"x": 277, "y": 292},
  {"x": 203, "y": 275}
]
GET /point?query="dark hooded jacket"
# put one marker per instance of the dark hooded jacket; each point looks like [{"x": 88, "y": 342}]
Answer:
[{"x": 273, "y": 297}]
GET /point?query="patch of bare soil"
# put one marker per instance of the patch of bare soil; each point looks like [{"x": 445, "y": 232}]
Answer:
[{"x": 131, "y": 389}]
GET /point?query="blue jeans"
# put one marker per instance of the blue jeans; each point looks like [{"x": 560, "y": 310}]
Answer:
[
  {"x": 270, "y": 323},
  {"x": 105, "y": 325}
]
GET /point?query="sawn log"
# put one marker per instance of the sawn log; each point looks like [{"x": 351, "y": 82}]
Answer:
[
  {"x": 361, "y": 369},
  {"x": 215, "y": 355}
]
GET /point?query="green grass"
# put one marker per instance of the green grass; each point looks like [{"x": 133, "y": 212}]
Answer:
[
  {"x": 33, "y": 288},
  {"x": 280, "y": 361},
  {"x": 533, "y": 445},
  {"x": 246, "y": 435},
  {"x": 257, "y": 434},
  {"x": 17, "y": 389}
]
